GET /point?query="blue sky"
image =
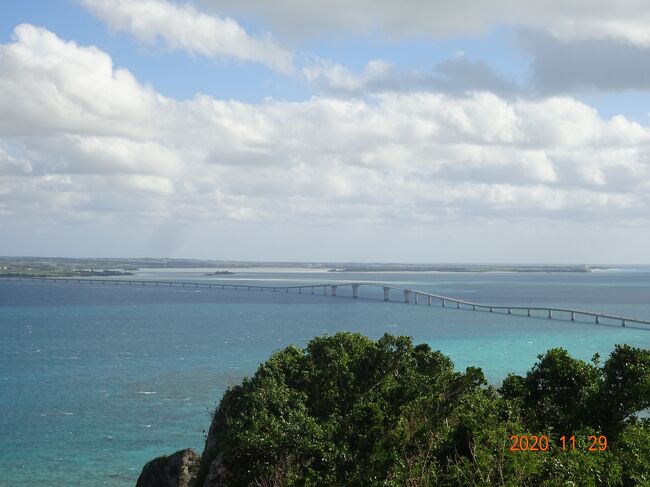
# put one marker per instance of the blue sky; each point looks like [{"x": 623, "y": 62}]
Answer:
[
  {"x": 335, "y": 127},
  {"x": 180, "y": 75},
  {"x": 175, "y": 74}
]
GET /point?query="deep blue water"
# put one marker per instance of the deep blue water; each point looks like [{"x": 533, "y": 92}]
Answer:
[{"x": 96, "y": 380}]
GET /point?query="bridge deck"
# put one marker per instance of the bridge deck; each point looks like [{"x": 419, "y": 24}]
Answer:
[{"x": 333, "y": 286}]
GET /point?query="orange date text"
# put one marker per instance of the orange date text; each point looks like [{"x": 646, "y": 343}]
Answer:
[{"x": 594, "y": 443}]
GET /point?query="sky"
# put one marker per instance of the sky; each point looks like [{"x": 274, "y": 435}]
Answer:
[{"x": 371, "y": 131}]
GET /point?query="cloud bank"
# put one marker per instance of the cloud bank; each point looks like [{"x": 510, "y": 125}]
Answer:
[
  {"x": 625, "y": 20},
  {"x": 572, "y": 49},
  {"x": 84, "y": 140},
  {"x": 584, "y": 66}
]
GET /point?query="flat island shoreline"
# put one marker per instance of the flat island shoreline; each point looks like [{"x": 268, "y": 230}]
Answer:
[
  {"x": 108, "y": 267},
  {"x": 461, "y": 268}
]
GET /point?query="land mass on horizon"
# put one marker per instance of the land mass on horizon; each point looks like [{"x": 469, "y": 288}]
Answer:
[{"x": 86, "y": 267}]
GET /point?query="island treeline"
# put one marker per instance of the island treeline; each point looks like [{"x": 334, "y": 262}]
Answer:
[
  {"x": 460, "y": 268},
  {"x": 58, "y": 266},
  {"x": 349, "y": 411}
]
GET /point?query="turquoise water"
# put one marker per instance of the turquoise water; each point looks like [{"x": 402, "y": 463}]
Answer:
[{"x": 96, "y": 380}]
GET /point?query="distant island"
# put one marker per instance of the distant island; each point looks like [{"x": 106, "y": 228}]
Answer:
[
  {"x": 60, "y": 272},
  {"x": 63, "y": 267},
  {"x": 135, "y": 263},
  {"x": 459, "y": 268},
  {"x": 69, "y": 266}
]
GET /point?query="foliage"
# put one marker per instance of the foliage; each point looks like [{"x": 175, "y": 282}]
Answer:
[
  {"x": 346, "y": 410},
  {"x": 563, "y": 394},
  {"x": 557, "y": 393}
]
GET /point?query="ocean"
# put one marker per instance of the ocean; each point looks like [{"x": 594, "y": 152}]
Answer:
[{"x": 97, "y": 380}]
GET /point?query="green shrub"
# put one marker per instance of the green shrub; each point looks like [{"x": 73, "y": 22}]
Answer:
[{"x": 349, "y": 411}]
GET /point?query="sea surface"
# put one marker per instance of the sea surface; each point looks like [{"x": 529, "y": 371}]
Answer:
[{"x": 95, "y": 380}]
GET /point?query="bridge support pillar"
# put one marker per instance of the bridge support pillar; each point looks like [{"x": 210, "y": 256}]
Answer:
[
  {"x": 573, "y": 316},
  {"x": 597, "y": 319},
  {"x": 299, "y": 290},
  {"x": 416, "y": 298},
  {"x": 333, "y": 290},
  {"x": 355, "y": 291},
  {"x": 386, "y": 291},
  {"x": 443, "y": 303},
  {"x": 312, "y": 289},
  {"x": 509, "y": 311},
  {"x": 429, "y": 300},
  {"x": 622, "y": 322},
  {"x": 528, "y": 312},
  {"x": 473, "y": 307},
  {"x": 491, "y": 309},
  {"x": 550, "y": 314},
  {"x": 407, "y": 294},
  {"x": 458, "y": 305}
]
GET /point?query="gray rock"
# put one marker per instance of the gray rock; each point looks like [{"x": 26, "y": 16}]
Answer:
[
  {"x": 213, "y": 472},
  {"x": 216, "y": 474},
  {"x": 176, "y": 470}
]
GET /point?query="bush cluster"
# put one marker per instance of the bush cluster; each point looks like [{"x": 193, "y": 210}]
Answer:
[{"x": 350, "y": 411}]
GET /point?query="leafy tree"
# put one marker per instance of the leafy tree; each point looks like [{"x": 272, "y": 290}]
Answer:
[
  {"x": 563, "y": 394},
  {"x": 556, "y": 393},
  {"x": 626, "y": 386},
  {"x": 634, "y": 453},
  {"x": 349, "y": 411}
]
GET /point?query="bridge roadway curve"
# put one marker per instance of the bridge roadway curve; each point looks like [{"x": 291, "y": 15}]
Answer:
[{"x": 331, "y": 290}]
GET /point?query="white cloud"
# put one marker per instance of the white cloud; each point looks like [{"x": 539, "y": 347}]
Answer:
[
  {"x": 10, "y": 165},
  {"x": 185, "y": 28},
  {"x": 337, "y": 78},
  {"x": 625, "y": 20},
  {"x": 84, "y": 140},
  {"x": 456, "y": 76},
  {"x": 76, "y": 87},
  {"x": 626, "y": 24}
]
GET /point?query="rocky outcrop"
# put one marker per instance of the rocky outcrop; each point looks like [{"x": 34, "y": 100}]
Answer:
[
  {"x": 176, "y": 470},
  {"x": 186, "y": 468},
  {"x": 216, "y": 473}
]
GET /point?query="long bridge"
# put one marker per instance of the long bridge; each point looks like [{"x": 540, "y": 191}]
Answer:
[{"x": 406, "y": 296}]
